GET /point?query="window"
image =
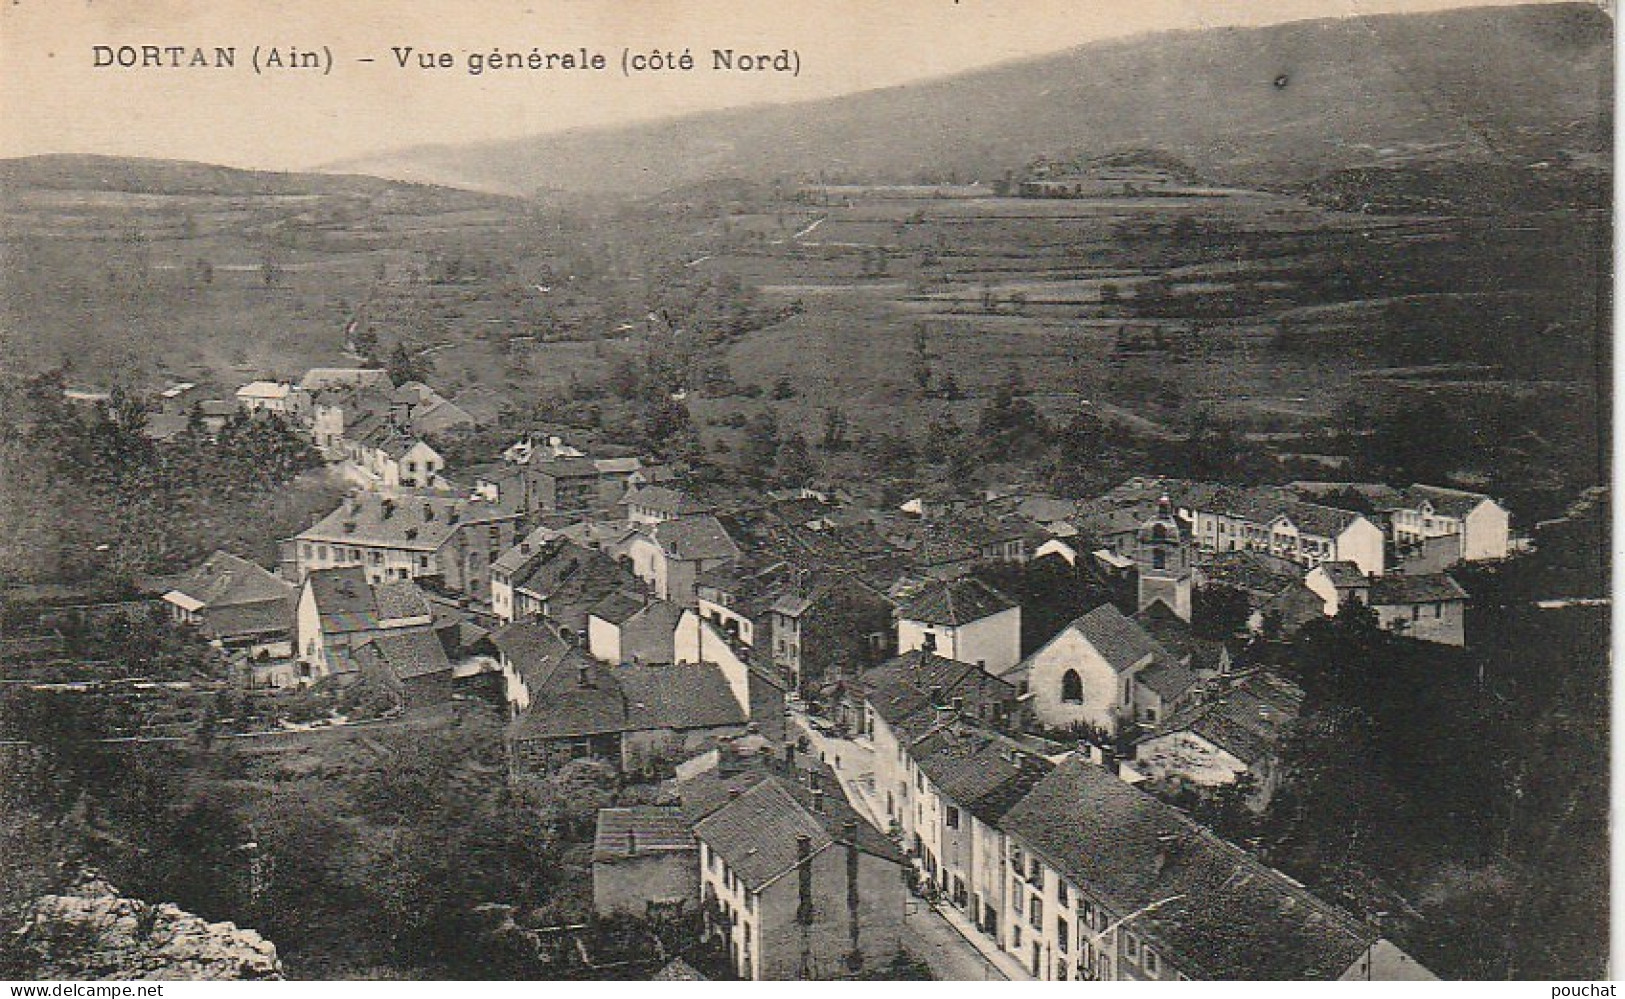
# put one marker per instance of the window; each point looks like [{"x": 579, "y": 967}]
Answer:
[
  {"x": 1015, "y": 935},
  {"x": 1035, "y": 872},
  {"x": 1087, "y": 917},
  {"x": 1438, "y": 611},
  {"x": 1159, "y": 559},
  {"x": 1036, "y": 913},
  {"x": 1131, "y": 947},
  {"x": 952, "y": 819},
  {"x": 1062, "y": 897},
  {"x": 423, "y": 562},
  {"x": 1063, "y": 934},
  {"x": 928, "y": 642},
  {"x": 1071, "y": 687},
  {"x": 1150, "y": 961},
  {"x": 1017, "y": 896}
]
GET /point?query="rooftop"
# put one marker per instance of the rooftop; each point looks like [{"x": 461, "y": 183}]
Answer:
[
  {"x": 954, "y": 603},
  {"x": 1216, "y": 911},
  {"x": 623, "y": 833}
]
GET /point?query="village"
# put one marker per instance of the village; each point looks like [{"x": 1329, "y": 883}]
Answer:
[{"x": 853, "y": 749}]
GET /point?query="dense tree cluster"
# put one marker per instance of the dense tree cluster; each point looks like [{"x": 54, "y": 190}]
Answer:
[{"x": 104, "y": 479}]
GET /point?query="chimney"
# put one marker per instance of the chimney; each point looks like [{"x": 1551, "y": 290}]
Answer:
[
  {"x": 981, "y": 664},
  {"x": 584, "y": 676},
  {"x": 1108, "y": 759},
  {"x": 734, "y": 793},
  {"x": 389, "y": 509},
  {"x": 428, "y": 512},
  {"x": 936, "y": 696},
  {"x": 818, "y": 801},
  {"x": 804, "y": 907}
]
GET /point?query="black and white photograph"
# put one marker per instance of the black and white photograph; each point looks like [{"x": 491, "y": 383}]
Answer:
[{"x": 695, "y": 490}]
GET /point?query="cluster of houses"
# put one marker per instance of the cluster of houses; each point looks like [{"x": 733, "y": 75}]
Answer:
[{"x": 616, "y": 611}]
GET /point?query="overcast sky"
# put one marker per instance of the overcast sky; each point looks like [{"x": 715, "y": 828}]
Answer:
[{"x": 52, "y": 99}]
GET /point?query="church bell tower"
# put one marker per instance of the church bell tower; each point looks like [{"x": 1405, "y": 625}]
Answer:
[{"x": 1163, "y": 559}]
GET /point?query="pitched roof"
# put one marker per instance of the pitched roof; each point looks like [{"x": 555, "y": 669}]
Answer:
[
  {"x": 268, "y": 617},
  {"x": 533, "y": 648},
  {"x": 223, "y": 579},
  {"x": 908, "y": 690},
  {"x": 678, "y": 970},
  {"x": 618, "y": 607},
  {"x": 694, "y": 538},
  {"x": 623, "y": 833},
  {"x": 1434, "y": 587},
  {"x": 409, "y": 654},
  {"x": 411, "y": 521},
  {"x": 1344, "y": 575},
  {"x": 756, "y": 832},
  {"x": 1217, "y": 911},
  {"x": 1121, "y": 642},
  {"x": 1246, "y": 721},
  {"x": 665, "y": 500},
  {"x": 954, "y": 603},
  {"x": 1168, "y": 680},
  {"x": 1450, "y": 502},
  {"x": 564, "y": 707},
  {"x": 679, "y": 697},
  {"x": 264, "y": 390},
  {"x": 979, "y": 771},
  {"x": 567, "y": 468},
  {"x": 347, "y": 603}
]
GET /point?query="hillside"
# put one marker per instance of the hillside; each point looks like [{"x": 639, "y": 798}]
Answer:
[{"x": 1270, "y": 106}]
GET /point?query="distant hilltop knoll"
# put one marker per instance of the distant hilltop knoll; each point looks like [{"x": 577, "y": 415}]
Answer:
[{"x": 1267, "y": 106}]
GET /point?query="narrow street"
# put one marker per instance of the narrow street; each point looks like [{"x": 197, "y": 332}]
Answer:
[{"x": 952, "y": 954}]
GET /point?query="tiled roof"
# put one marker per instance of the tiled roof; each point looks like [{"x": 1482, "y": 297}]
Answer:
[
  {"x": 268, "y": 617},
  {"x": 1212, "y": 908},
  {"x": 565, "y": 708},
  {"x": 533, "y": 648},
  {"x": 1314, "y": 518},
  {"x": 410, "y": 654},
  {"x": 901, "y": 690},
  {"x": 954, "y": 603},
  {"x": 567, "y": 468},
  {"x": 756, "y": 831},
  {"x": 1121, "y": 642},
  {"x": 224, "y": 579},
  {"x": 1168, "y": 680},
  {"x": 694, "y": 538},
  {"x": 678, "y": 970},
  {"x": 677, "y": 697},
  {"x": 642, "y": 829},
  {"x": 1255, "y": 572},
  {"x": 1450, "y": 502},
  {"x": 979, "y": 771},
  {"x": 617, "y": 608},
  {"x": 1345, "y": 574},
  {"x": 1247, "y": 720},
  {"x": 1436, "y": 587},
  {"x": 411, "y": 521},
  {"x": 665, "y": 500},
  {"x": 347, "y": 603}
]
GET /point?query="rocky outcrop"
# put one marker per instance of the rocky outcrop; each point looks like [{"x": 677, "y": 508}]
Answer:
[{"x": 92, "y": 932}]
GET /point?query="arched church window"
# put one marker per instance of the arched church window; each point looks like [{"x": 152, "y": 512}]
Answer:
[{"x": 1072, "y": 687}]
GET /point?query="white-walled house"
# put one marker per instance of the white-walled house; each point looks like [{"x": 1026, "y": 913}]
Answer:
[
  {"x": 1481, "y": 525},
  {"x": 963, "y": 619}
]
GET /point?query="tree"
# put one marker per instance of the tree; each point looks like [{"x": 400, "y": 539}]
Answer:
[
  {"x": 834, "y": 438},
  {"x": 794, "y": 464},
  {"x": 405, "y": 366}
]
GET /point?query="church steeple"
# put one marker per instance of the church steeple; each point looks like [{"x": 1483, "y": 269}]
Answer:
[{"x": 1163, "y": 559}]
